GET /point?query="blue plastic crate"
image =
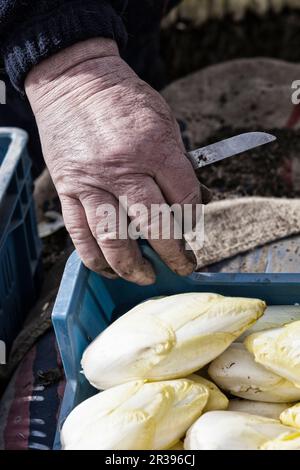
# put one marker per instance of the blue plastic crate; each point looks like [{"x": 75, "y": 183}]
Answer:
[
  {"x": 20, "y": 246},
  {"x": 87, "y": 303}
]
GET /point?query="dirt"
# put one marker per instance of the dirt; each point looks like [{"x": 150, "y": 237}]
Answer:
[
  {"x": 265, "y": 171},
  {"x": 49, "y": 377},
  {"x": 54, "y": 248},
  {"x": 186, "y": 48}
]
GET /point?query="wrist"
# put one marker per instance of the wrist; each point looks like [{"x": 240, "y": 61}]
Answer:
[{"x": 76, "y": 65}]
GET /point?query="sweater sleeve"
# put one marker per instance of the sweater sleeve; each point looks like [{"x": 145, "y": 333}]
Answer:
[{"x": 33, "y": 30}]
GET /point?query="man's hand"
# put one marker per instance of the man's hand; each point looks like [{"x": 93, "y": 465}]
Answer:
[{"x": 105, "y": 134}]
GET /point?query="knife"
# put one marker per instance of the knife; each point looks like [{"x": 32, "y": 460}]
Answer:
[{"x": 228, "y": 148}]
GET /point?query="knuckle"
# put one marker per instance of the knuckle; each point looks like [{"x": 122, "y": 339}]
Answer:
[{"x": 76, "y": 232}]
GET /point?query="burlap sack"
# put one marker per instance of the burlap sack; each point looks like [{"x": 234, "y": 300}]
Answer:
[{"x": 235, "y": 226}]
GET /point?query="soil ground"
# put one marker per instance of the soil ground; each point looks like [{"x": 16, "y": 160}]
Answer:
[
  {"x": 186, "y": 49},
  {"x": 265, "y": 171}
]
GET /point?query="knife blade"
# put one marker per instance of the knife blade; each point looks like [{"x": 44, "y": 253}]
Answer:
[{"x": 228, "y": 148}]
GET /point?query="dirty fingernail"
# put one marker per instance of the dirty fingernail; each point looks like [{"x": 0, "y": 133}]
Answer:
[
  {"x": 145, "y": 275},
  {"x": 109, "y": 273}
]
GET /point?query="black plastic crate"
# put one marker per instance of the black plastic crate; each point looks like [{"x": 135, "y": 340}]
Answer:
[{"x": 20, "y": 246}]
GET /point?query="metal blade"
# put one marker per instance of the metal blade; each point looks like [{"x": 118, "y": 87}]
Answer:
[{"x": 228, "y": 148}]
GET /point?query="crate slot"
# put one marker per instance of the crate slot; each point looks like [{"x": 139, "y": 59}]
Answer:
[
  {"x": 8, "y": 274},
  {"x": 24, "y": 196},
  {"x": 4, "y": 145},
  {"x": 20, "y": 247},
  {"x": 20, "y": 170},
  {"x": 13, "y": 185}
]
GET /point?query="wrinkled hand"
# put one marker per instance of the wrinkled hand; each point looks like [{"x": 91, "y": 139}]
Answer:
[{"x": 105, "y": 133}]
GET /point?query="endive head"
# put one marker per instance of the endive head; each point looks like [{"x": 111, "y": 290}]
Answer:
[
  {"x": 229, "y": 430},
  {"x": 177, "y": 446},
  {"x": 258, "y": 408},
  {"x": 274, "y": 317},
  {"x": 135, "y": 416},
  {"x": 278, "y": 350},
  {"x": 216, "y": 400},
  {"x": 291, "y": 416},
  {"x": 285, "y": 441},
  {"x": 168, "y": 338},
  {"x": 237, "y": 372}
]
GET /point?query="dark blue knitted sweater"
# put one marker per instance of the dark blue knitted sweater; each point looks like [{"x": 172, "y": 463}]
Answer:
[{"x": 35, "y": 29}]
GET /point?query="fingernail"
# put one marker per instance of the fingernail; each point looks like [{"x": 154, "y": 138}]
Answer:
[
  {"x": 109, "y": 273},
  {"x": 185, "y": 270},
  {"x": 189, "y": 267},
  {"x": 145, "y": 276}
]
